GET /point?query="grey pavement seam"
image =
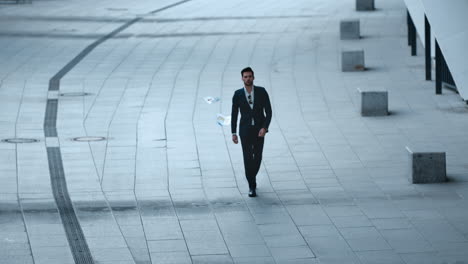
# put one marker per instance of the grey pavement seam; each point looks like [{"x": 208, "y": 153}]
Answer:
[
  {"x": 75, "y": 236},
  {"x": 315, "y": 139},
  {"x": 227, "y": 142},
  {"x": 287, "y": 143},
  {"x": 47, "y": 35},
  {"x": 127, "y": 83},
  {"x": 230, "y": 157},
  {"x": 55, "y": 80},
  {"x": 136, "y": 152},
  {"x": 269, "y": 80},
  {"x": 17, "y": 180},
  {"x": 348, "y": 142},
  {"x": 360, "y": 161},
  {"x": 166, "y": 152},
  {"x": 196, "y": 145},
  {"x": 308, "y": 128},
  {"x": 148, "y": 20},
  {"x": 112, "y": 117},
  {"x": 37, "y": 49}
]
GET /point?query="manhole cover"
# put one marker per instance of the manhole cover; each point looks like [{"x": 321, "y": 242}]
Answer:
[
  {"x": 20, "y": 140},
  {"x": 88, "y": 138},
  {"x": 71, "y": 94}
]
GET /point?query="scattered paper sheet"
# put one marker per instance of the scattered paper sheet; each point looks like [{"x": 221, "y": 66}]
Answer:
[
  {"x": 210, "y": 100},
  {"x": 223, "y": 120}
]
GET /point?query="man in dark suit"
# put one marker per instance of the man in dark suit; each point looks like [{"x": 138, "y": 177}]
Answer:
[{"x": 254, "y": 105}]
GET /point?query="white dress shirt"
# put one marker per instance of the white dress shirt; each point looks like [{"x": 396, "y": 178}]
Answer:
[{"x": 252, "y": 99}]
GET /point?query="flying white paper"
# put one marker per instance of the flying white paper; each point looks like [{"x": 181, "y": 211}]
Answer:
[
  {"x": 210, "y": 100},
  {"x": 223, "y": 120}
]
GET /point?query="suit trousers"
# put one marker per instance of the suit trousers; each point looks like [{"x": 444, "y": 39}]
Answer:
[{"x": 252, "y": 149}]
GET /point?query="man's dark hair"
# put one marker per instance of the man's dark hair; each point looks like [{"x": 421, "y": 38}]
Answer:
[{"x": 248, "y": 69}]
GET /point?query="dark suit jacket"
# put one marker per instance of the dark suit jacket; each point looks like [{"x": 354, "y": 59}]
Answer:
[{"x": 261, "y": 112}]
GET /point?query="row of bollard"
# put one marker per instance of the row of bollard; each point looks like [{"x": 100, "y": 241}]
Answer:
[
  {"x": 426, "y": 166},
  {"x": 353, "y": 60},
  {"x": 373, "y": 102}
]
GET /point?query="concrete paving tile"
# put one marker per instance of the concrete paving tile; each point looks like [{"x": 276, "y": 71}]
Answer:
[
  {"x": 23, "y": 250},
  {"x": 291, "y": 253},
  {"x": 170, "y": 245},
  {"x": 10, "y": 243},
  {"x": 391, "y": 223},
  {"x": 438, "y": 230},
  {"x": 164, "y": 231},
  {"x": 10, "y": 217},
  {"x": 383, "y": 210},
  {"x": 351, "y": 221},
  {"x": 120, "y": 262},
  {"x": 461, "y": 226},
  {"x": 222, "y": 259},
  {"x": 242, "y": 237},
  {"x": 55, "y": 254},
  {"x": 421, "y": 215},
  {"x": 368, "y": 243},
  {"x": 336, "y": 260},
  {"x": 451, "y": 248},
  {"x": 296, "y": 198},
  {"x": 171, "y": 257},
  {"x": 291, "y": 240},
  {"x": 406, "y": 241},
  {"x": 288, "y": 185},
  {"x": 417, "y": 258},
  {"x": 106, "y": 242},
  {"x": 308, "y": 215},
  {"x": 322, "y": 182},
  {"x": 364, "y": 239},
  {"x": 136, "y": 242},
  {"x": 140, "y": 255},
  {"x": 15, "y": 259},
  {"x": 199, "y": 225},
  {"x": 55, "y": 261},
  {"x": 50, "y": 241},
  {"x": 271, "y": 218},
  {"x": 111, "y": 254},
  {"x": 319, "y": 231},
  {"x": 379, "y": 257},
  {"x": 205, "y": 242},
  {"x": 45, "y": 229},
  {"x": 329, "y": 246},
  {"x": 277, "y": 229},
  {"x": 244, "y": 251},
  {"x": 301, "y": 261},
  {"x": 339, "y": 211},
  {"x": 261, "y": 260}
]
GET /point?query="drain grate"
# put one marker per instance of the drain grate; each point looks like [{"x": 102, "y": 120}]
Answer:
[
  {"x": 79, "y": 247},
  {"x": 88, "y": 138},
  {"x": 20, "y": 140},
  {"x": 50, "y": 119}
]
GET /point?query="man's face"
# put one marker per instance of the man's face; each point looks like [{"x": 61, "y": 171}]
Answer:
[{"x": 247, "y": 78}]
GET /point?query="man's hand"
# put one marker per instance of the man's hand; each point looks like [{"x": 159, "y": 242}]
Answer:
[
  {"x": 262, "y": 132},
  {"x": 235, "y": 139}
]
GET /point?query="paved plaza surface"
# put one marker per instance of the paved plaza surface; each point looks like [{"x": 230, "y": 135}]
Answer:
[{"x": 152, "y": 178}]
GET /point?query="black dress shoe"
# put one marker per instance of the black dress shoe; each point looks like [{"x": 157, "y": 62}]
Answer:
[{"x": 252, "y": 193}]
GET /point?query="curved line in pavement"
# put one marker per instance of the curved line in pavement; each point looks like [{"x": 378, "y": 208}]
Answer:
[{"x": 79, "y": 247}]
